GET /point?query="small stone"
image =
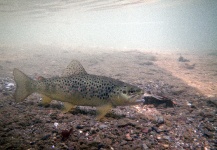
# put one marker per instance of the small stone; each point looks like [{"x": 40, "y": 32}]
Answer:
[
  {"x": 125, "y": 122},
  {"x": 146, "y": 130},
  {"x": 155, "y": 129},
  {"x": 92, "y": 131},
  {"x": 166, "y": 137},
  {"x": 102, "y": 126},
  {"x": 97, "y": 139},
  {"x": 107, "y": 141},
  {"x": 32, "y": 143},
  {"x": 165, "y": 145},
  {"x": 159, "y": 137},
  {"x": 123, "y": 142},
  {"x": 45, "y": 137},
  {"x": 87, "y": 134},
  {"x": 79, "y": 126},
  {"x": 128, "y": 137},
  {"x": 160, "y": 119},
  {"x": 122, "y": 123},
  {"x": 144, "y": 146}
]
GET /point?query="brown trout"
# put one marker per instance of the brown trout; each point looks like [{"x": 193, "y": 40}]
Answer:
[{"x": 78, "y": 88}]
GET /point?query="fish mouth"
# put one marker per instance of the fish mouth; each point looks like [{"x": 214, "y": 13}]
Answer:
[
  {"x": 140, "y": 101},
  {"x": 136, "y": 99}
]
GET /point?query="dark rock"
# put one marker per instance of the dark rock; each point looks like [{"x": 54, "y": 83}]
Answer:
[
  {"x": 46, "y": 137},
  {"x": 53, "y": 116},
  {"x": 32, "y": 143},
  {"x": 37, "y": 120},
  {"x": 157, "y": 101},
  {"x": 93, "y": 144},
  {"x": 66, "y": 133},
  {"x": 93, "y": 131},
  {"x": 79, "y": 126},
  {"x": 155, "y": 129},
  {"x": 182, "y": 59}
]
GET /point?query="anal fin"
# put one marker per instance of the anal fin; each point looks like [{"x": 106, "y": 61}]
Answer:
[
  {"x": 103, "y": 110},
  {"x": 67, "y": 107}
]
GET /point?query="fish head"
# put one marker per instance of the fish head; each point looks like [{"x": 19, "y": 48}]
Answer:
[{"x": 127, "y": 94}]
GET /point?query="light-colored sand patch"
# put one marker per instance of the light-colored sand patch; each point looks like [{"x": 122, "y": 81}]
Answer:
[{"x": 203, "y": 76}]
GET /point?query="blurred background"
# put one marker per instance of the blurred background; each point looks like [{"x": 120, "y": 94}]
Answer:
[{"x": 120, "y": 24}]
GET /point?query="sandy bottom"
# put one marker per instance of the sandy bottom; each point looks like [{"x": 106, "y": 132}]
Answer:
[
  {"x": 191, "y": 85},
  {"x": 200, "y": 72}
]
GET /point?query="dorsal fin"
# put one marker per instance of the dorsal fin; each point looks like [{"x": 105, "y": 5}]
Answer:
[{"x": 74, "y": 68}]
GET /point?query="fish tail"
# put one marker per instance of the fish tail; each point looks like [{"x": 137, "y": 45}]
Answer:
[{"x": 23, "y": 85}]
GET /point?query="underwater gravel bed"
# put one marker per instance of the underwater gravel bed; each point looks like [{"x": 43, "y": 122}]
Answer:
[{"x": 190, "y": 124}]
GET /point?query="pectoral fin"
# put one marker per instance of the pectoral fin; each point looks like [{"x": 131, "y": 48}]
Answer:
[
  {"x": 46, "y": 100},
  {"x": 103, "y": 110},
  {"x": 67, "y": 107}
]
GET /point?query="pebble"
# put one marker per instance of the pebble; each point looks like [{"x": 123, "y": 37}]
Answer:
[
  {"x": 155, "y": 129},
  {"x": 97, "y": 139},
  {"x": 144, "y": 146},
  {"x": 165, "y": 145},
  {"x": 125, "y": 122},
  {"x": 79, "y": 126},
  {"x": 122, "y": 122},
  {"x": 123, "y": 142},
  {"x": 102, "y": 126},
  {"x": 92, "y": 130},
  {"x": 166, "y": 138},
  {"x": 160, "y": 119},
  {"x": 56, "y": 124},
  {"x": 9, "y": 86},
  {"x": 146, "y": 130},
  {"x": 45, "y": 137},
  {"x": 159, "y": 137},
  {"x": 128, "y": 137}
]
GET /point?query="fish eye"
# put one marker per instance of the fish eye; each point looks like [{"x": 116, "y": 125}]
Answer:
[{"x": 131, "y": 91}]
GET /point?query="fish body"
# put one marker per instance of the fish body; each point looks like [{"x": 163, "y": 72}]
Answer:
[{"x": 78, "y": 88}]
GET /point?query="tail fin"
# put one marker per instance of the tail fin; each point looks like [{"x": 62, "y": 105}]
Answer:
[{"x": 23, "y": 84}]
